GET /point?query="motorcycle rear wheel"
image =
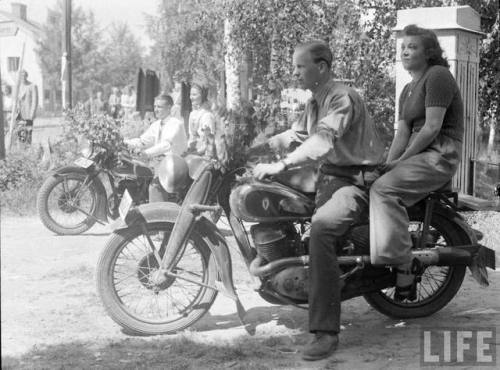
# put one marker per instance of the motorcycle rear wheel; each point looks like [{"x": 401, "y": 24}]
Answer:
[
  {"x": 124, "y": 274},
  {"x": 438, "y": 285},
  {"x": 58, "y": 209}
]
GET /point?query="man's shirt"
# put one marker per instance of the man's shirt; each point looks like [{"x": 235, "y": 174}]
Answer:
[
  {"x": 163, "y": 136},
  {"x": 336, "y": 128}
]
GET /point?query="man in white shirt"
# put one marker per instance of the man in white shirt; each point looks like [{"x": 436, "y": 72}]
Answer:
[{"x": 166, "y": 135}]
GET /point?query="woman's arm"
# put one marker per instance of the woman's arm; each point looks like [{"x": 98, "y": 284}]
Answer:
[
  {"x": 400, "y": 141},
  {"x": 433, "y": 121}
]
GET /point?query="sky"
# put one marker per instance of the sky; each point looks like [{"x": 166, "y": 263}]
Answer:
[{"x": 106, "y": 12}]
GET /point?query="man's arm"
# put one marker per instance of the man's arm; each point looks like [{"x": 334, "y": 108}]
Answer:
[
  {"x": 433, "y": 122},
  {"x": 321, "y": 142}
]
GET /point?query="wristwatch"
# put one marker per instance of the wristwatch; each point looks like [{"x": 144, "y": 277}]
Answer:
[{"x": 286, "y": 164}]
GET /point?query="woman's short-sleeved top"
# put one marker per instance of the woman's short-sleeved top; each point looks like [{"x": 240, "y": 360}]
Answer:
[{"x": 436, "y": 88}]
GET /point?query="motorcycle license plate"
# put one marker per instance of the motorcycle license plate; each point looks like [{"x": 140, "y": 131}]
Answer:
[
  {"x": 125, "y": 205},
  {"x": 84, "y": 162}
]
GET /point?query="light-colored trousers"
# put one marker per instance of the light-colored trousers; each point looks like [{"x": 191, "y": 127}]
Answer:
[{"x": 403, "y": 186}]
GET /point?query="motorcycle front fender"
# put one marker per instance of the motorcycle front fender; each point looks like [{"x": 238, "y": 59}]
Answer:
[
  {"x": 102, "y": 201},
  {"x": 167, "y": 212}
]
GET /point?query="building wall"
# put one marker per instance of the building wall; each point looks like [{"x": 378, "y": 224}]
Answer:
[{"x": 11, "y": 46}]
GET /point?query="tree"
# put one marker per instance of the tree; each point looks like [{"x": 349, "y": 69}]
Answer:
[
  {"x": 121, "y": 57},
  {"x": 85, "y": 51},
  {"x": 99, "y": 60},
  {"x": 188, "y": 38}
]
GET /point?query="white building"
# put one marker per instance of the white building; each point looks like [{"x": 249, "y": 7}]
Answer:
[{"x": 15, "y": 30}]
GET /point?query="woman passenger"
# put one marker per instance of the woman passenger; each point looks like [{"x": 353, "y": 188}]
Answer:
[{"x": 423, "y": 156}]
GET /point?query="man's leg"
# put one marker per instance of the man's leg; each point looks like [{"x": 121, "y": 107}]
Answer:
[{"x": 330, "y": 221}]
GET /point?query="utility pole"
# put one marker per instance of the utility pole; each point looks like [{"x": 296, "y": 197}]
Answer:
[
  {"x": 2, "y": 125},
  {"x": 66, "y": 57}
]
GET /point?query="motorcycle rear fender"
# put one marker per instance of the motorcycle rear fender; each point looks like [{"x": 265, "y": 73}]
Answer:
[
  {"x": 167, "y": 212},
  {"x": 102, "y": 202},
  {"x": 480, "y": 256}
]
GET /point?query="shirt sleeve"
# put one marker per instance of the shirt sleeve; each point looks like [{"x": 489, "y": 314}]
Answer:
[
  {"x": 339, "y": 116},
  {"x": 336, "y": 122},
  {"x": 439, "y": 87},
  {"x": 148, "y": 137}
]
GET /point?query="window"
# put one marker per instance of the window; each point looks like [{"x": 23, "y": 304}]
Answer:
[{"x": 13, "y": 64}]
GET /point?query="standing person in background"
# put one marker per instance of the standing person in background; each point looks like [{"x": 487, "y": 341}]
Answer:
[
  {"x": 27, "y": 103},
  {"x": 114, "y": 102},
  {"x": 201, "y": 122},
  {"x": 98, "y": 105},
  {"x": 7, "y": 103},
  {"x": 127, "y": 102}
]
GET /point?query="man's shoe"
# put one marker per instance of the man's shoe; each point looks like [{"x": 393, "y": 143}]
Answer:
[{"x": 322, "y": 346}]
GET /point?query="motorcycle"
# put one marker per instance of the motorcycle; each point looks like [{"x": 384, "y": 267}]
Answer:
[
  {"x": 165, "y": 263},
  {"x": 73, "y": 198}
]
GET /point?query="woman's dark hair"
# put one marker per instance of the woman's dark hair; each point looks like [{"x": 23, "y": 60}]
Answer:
[
  {"x": 433, "y": 50},
  {"x": 320, "y": 51}
]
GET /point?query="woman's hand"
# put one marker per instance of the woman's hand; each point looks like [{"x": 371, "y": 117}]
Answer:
[
  {"x": 268, "y": 169},
  {"x": 389, "y": 165}
]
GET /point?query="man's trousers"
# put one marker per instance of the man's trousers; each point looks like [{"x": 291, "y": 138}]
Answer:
[{"x": 340, "y": 204}]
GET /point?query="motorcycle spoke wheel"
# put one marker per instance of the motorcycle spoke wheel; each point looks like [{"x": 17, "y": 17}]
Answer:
[
  {"x": 141, "y": 297},
  {"x": 437, "y": 284},
  {"x": 67, "y": 203},
  {"x": 70, "y": 202},
  {"x": 143, "y": 305}
]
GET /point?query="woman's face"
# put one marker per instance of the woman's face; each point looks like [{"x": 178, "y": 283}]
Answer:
[
  {"x": 413, "y": 53},
  {"x": 195, "y": 96}
]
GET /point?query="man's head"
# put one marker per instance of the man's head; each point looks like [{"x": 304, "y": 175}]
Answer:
[
  {"x": 312, "y": 62},
  {"x": 163, "y": 106}
]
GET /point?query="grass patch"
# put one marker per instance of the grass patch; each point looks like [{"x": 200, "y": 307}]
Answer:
[{"x": 176, "y": 353}]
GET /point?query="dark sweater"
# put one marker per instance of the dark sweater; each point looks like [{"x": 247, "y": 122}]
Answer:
[{"x": 436, "y": 88}]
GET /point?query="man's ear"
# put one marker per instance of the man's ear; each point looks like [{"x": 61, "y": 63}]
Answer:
[{"x": 323, "y": 67}]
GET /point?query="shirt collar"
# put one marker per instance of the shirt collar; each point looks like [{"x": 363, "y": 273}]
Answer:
[{"x": 322, "y": 92}]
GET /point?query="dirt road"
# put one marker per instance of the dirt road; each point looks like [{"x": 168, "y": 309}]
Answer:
[{"x": 52, "y": 318}]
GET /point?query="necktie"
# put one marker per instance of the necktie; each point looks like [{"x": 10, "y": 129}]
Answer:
[
  {"x": 312, "y": 116},
  {"x": 159, "y": 132}
]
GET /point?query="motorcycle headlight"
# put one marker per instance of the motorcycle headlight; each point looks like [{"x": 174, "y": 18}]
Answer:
[{"x": 173, "y": 173}]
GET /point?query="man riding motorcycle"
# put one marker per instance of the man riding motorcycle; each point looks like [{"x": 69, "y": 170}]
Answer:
[
  {"x": 166, "y": 135},
  {"x": 342, "y": 138}
]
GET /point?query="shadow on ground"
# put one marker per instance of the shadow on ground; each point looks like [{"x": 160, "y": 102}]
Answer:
[{"x": 170, "y": 353}]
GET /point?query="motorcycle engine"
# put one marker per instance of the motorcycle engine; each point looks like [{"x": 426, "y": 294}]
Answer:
[{"x": 274, "y": 241}]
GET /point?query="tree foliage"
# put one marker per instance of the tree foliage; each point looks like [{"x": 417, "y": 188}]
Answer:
[
  {"x": 360, "y": 33},
  {"x": 98, "y": 59},
  {"x": 188, "y": 38}
]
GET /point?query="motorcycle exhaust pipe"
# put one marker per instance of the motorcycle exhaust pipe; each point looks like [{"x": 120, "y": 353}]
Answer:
[{"x": 445, "y": 256}]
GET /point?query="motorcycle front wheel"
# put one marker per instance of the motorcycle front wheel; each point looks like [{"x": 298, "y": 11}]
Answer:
[
  {"x": 139, "y": 304},
  {"x": 438, "y": 284},
  {"x": 66, "y": 203}
]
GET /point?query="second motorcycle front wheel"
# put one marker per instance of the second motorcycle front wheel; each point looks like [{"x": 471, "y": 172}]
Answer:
[
  {"x": 66, "y": 203},
  {"x": 133, "y": 296}
]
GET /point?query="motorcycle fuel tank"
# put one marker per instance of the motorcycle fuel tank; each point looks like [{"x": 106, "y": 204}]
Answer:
[{"x": 263, "y": 201}]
